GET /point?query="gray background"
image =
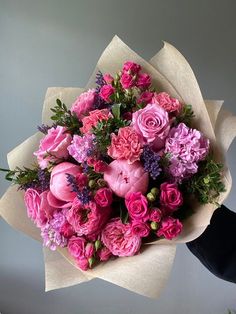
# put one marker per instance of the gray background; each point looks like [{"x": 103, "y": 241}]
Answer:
[{"x": 57, "y": 43}]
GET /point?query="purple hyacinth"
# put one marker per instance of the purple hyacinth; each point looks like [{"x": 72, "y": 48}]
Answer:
[{"x": 150, "y": 161}]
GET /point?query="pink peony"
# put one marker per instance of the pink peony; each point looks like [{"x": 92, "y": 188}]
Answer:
[
  {"x": 137, "y": 206},
  {"x": 127, "y": 81},
  {"x": 131, "y": 67},
  {"x": 106, "y": 91},
  {"x": 170, "y": 197},
  {"x": 155, "y": 215},
  {"x": 103, "y": 197},
  {"x": 59, "y": 185},
  {"x": 55, "y": 202},
  {"x": 93, "y": 118},
  {"x": 122, "y": 177},
  {"x": 104, "y": 254},
  {"x": 152, "y": 124},
  {"x": 119, "y": 239},
  {"x": 126, "y": 145},
  {"x": 108, "y": 78},
  {"x": 167, "y": 102},
  {"x": 141, "y": 229},
  {"x": 145, "y": 98},
  {"x": 84, "y": 103},
  {"x": 170, "y": 228},
  {"x": 53, "y": 146},
  {"x": 143, "y": 81}
]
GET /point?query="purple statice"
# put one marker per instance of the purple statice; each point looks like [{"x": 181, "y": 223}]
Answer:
[
  {"x": 99, "y": 81},
  {"x": 186, "y": 147},
  {"x": 44, "y": 179},
  {"x": 99, "y": 103},
  {"x": 82, "y": 147},
  {"x": 84, "y": 195},
  {"x": 150, "y": 160}
]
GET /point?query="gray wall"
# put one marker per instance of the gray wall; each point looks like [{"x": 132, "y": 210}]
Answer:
[{"x": 57, "y": 43}]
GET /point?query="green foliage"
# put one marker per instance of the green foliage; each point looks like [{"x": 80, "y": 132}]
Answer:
[
  {"x": 23, "y": 176},
  {"x": 186, "y": 115}
]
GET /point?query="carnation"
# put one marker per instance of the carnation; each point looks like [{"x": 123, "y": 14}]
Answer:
[
  {"x": 93, "y": 118},
  {"x": 171, "y": 105}
]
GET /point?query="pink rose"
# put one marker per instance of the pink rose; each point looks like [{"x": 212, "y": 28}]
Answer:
[
  {"x": 104, "y": 254},
  {"x": 32, "y": 202},
  {"x": 93, "y": 118},
  {"x": 131, "y": 67},
  {"x": 45, "y": 212},
  {"x": 83, "y": 264},
  {"x": 67, "y": 230},
  {"x": 59, "y": 185},
  {"x": 170, "y": 197},
  {"x": 127, "y": 81},
  {"x": 100, "y": 166},
  {"x": 141, "y": 229},
  {"x": 103, "y": 197},
  {"x": 143, "y": 81},
  {"x": 122, "y": 177},
  {"x": 145, "y": 98},
  {"x": 84, "y": 103},
  {"x": 152, "y": 124},
  {"x": 126, "y": 145},
  {"x": 167, "y": 102},
  {"x": 137, "y": 206},
  {"x": 53, "y": 146},
  {"x": 76, "y": 247},
  {"x": 106, "y": 91},
  {"x": 108, "y": 78},
  {"x": 119, "y": 239},
  {"x": 155, "y": 215},
  {"x": 170, "y": 228},
  {"x": 89, "y": 250}
]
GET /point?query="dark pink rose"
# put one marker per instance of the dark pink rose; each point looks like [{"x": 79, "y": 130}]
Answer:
[
  {"x": 155, "y": 215},
  {"x": 108, "y": 78},
  {"x": 84, "y": 103},
  {"x": 53, "y": 146},
  {"x": 140, "y": 228},
  {"x": 170, "y": 228},
  {"x": 100, "y": 166},
  {"x": 145, "y": 98},
  {"x": 143, "y": 81},
  {"x": 103, "y": 197},
  {"x": 119, "y": 239},
  {"x": 67, "y": 230},
  {"x": 81, "y": 180},
  {"x": 127, "y": 81},
  {"x": 76, "y": 247},
  {"x": 170, "y": 197},
  {"x": 131, "y": 67},
  {"x": 106, "y": 91},
  {"x": 137, "y": 206},
  {"x": 167, "y": 102},
  {"x": 104, "y": 254}
]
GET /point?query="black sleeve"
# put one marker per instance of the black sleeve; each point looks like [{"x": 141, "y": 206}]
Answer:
[{"x": 216, "y": 247}]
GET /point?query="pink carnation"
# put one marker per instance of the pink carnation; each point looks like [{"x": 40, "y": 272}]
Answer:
[
  {"x": 143, "y": 81},
  {"x": 93, "y": 118},
  {"x": 170, "y": 228},
  {"x": 126, "y": 145},
  {"x": 137, "y": 206},
  {"x": 131, "y": 67},
  {"x": 167, "y": 102},
  {"x": 119, "y": 239},
  {"x": 84, "y": 103},
  {"x": 106, "y": 91}
]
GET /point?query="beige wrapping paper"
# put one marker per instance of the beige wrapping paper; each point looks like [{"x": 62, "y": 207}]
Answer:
[{"x": 145, "y": 273}]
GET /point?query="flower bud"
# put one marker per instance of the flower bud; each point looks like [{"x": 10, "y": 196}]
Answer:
[
  {"x": 92, "y": 183},
  {"x": 97, "y": 244},
  {"x": 154, "y": 225},
  {"x": 101, "y": 183},
  {"x": 155, "y": 191},
  {"x": 151, "y": 197},
  {"x": 91, "y": 261}
]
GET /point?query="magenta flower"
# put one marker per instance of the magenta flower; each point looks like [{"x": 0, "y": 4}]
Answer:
[{"x": 170, "y": 228}]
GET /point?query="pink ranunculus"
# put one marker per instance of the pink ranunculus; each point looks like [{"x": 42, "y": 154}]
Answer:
[
  {"x": 87, "y": 219},
  {"x": 119, "y": 239},
  {"x": 59, "y": 185},
  {"x": 106, "y": 91},
  {"x": 76, "y": 247},
  {"x": 170, "y": 197},
  {"x": 170, "y": 228},
  {"x": 104, "y": 254},
  {"x": 155, "y": 215},
  {"x": 152, "y": 124},
  {"x": 100, "y": 166},
  {"x": 53, "y": 146},
  {"x": 126, "y": 145},
  {"x": 103, "y": 197},
  {"x": 145, "y": 98},
  {"x": 67, "y": 230},
  {"x": 84, "y": 103},
  {"x": 137, "y": 206},
  {"x": 171, "y": 105},
  {"x": 32, "y": 202},
  {"x": 140, "y": 228},
  {"x": 131, "y": 67},
  {"x": 127, "y": 80},
  {"x": 122, "y": 177},
  {"x": 143, "y": 81},
  {"x": 93, "y": 118},
  {"x": 108, "y": 78}
]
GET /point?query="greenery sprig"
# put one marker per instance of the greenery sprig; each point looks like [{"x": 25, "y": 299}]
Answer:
[{"x": 186, "y": 115}]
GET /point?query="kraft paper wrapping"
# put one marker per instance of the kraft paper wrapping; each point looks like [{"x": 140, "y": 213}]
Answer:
[{"x": 145, "y": 273}]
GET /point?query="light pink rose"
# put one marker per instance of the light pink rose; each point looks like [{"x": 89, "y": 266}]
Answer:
[
  {"x": 143, "y": 81},
  {"x": 167, "y": 102},
  {"x": 32, "y": 202},
  {"x": 103, "y": 197},
  {"x": 53, "y": 146},
  {"x": 155, "y": 215},
  {"x": 145, "y": 98},
  {"x": 131, "y": 67},
  {"x": 152, "y": 124},
  {"x": 76, "y": 247},
  {"x": 93, "y": 118},
  {"x": 126, "y": 145},
  {"x": 119, "y": 239},
  {"x": 84, "y": 103},
  {"x": 106, "y": 91},
  {"x": 137, "y": 206},
  {"x": 170, "y": 228},
  {"x": 140, "y": 228},
  {"x": 108, "y": 78},
  {"x": 59, "y": 185},
  {"x": 170, "y": 197},
  {"x": 122, "y": 177},
  {"x": 127, "y": 80}
]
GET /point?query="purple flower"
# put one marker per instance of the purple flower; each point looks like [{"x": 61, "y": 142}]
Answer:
[
  {"x": 82, "y": 147},
  {"x": 150, "y": 161}
]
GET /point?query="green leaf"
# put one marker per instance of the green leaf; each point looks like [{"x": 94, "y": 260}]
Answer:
[{"x": 116, "y": 111}]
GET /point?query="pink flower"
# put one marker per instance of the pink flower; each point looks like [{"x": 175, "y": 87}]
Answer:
[
  {"x": 89, "y": 250},
  {"x": 143, "y": 81},
  {"x": 76, "y": 247},
  {"x": 131, "y": 67},
  {"x": 145, "y": 98},
  {"x": 66, "y": 230},
  {"x": 106, "y": 91},
  {"x": 137, "y": 206},
  {"x": 126, "y": 145},
  {"x": 59, "y": 185},
  {"x": 103, "y": 197},
  {"x": 170, "y": 197},
  {"x": 45, "y": 212},
  {"x": 108, "y": 78},
  {"x": 119, "y": 239},
  {"x": 81, "y": 146},
  {"x": 83, "y": 264},
  {"x": 155, "y": 215},
  {"x": 127, "y": 81},
  {"x": 53, "y": 146},
  {"x": 122, "y": 177},
  {"x": 152, "y": 124},
  {"x": 93, "y": 118},
  {"x": 87, "y": 219},
  {"x": 32, "y": 202},
  {"x": 104, "y": 254},
  {"x": 84, "y": 103},
  {"x": 167, "y": 102},
  {"x": 170, "y": 228},
  {"x": 140, "y": 228},
  {"x": 100, "y": 166}
]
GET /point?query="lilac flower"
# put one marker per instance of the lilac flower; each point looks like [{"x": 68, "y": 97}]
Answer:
[
  {"x": 150, "y": 161},
  {"x": 82, "y": 147}
]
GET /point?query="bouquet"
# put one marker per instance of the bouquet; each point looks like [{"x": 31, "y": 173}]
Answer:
[{"x": 120, "y": 172}]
